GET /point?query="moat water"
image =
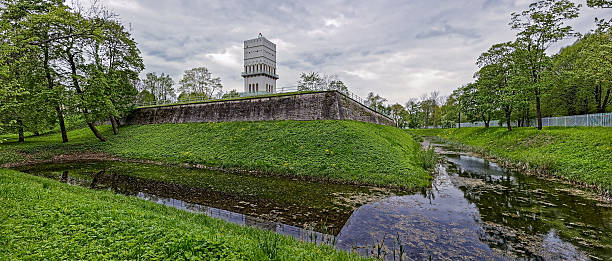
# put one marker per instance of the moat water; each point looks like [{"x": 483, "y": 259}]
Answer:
[{"x": 474, "y": 209}]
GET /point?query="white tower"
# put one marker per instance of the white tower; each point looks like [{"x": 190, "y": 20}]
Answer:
[{"x": 259, "y": 65}]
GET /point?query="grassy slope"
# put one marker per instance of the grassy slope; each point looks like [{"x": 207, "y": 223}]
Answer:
[
  {"x": 45, "y": 219},
  {"x": 578, "y": 153},
  {"x": 340, "y": 150}
]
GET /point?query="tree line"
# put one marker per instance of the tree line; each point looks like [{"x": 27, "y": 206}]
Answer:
[
  {"x": 57, "y": 59},
  {"x": 518, "y": 81},
  {"x": 197, "y": 83}
]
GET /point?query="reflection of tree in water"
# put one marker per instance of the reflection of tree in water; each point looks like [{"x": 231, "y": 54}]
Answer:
[
  {"x": 533, "y": 206},
  {"x": 193, "y": 198}
]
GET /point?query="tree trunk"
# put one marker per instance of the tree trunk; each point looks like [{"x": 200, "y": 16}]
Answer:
[
  {"x": 75, "y": 82},
  {"x": 459, "y": 125},
  {"x": 64, "y": 177},
  {"x": 538, "y": 110},
  {"x": 20, "y": 129},
  {"x": 602, "y": 103},
  {"x": 94, "y": 182},
  {"x": 60, "y": 116},
  {"x": 113, "y": 121},
  {"x": 508, "y": 114},
  {"x": 58, "y": 109}
]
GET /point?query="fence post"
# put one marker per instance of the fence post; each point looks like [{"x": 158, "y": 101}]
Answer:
[{"x": 588, "y": 123}]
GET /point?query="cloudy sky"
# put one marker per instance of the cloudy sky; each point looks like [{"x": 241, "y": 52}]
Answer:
[{"x": 399, "y": 49}]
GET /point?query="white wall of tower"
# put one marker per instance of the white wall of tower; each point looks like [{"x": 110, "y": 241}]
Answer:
[{"x": 259, "y": 69}]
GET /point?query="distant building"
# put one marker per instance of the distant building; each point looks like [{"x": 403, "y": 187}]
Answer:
[{"x": 259, "y": 65}]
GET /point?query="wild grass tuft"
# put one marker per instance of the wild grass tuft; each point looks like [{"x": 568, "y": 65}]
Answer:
[{"x": 428, "y": 158}]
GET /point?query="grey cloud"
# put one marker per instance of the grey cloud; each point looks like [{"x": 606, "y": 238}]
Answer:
[
  {"x": 406, "y": 48},
  {"x": 448, "y": 30}
]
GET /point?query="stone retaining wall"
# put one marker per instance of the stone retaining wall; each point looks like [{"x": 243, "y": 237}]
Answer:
[{"x": 328, "y": 105}]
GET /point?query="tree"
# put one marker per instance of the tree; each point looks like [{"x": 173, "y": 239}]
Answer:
[
  {"x": 231, "y": 94},
  {"x": 599, "y": 3},
  {"x": 314, "y": 82},
  {"x": 333, "y": 83},
  {"x": 311, "y": 82},
  {"x": 198, "y": 82},
  {"x": 375, "y": 102},
  {"x": 413, "y": 116},
  {"x": 478, "y": 102},
  {"x": 539, "y": 27},
  {"x": 118, "y": 61},
  {"x": 595, "y": 63},
  {"x": 66, "y": 57},
  {"x": 29, "y": 26},
  {"x": 159, "y": 86},
  {"x": 397, "y": 110},
  {"x": 453, "y": 108},
  {"x": 502, "y": 76},
  {"x": 429, "y": 106}
]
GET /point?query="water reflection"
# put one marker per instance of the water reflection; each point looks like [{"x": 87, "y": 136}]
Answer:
[
  {"x": 297, "y": 232},
  {"x": 478, "y": 210},
  {"x": 310, "y": 205}
]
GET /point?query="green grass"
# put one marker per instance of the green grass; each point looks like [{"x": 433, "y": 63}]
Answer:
[
  {"x": 45, "y": 219},
  {"x": 582, "y": 154},
  {"x": 336, "y": 150}
]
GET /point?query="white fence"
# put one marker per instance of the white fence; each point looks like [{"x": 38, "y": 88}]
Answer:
[{"x": 587, "y": 120}]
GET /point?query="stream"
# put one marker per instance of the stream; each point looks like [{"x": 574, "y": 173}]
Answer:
[{"x": 475, "y": 209}]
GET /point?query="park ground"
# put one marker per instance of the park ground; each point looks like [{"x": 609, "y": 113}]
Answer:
[{"x": 578, "y": 154}]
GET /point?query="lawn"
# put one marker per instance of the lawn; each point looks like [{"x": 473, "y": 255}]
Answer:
[
  {"x": 46, "y": 219},
  {"x": 582, "y": 154},
  {"x": 345, "y": 151}
]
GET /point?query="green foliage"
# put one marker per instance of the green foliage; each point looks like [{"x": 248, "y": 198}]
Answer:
[
  {"x": 190, "y": 97},
  {"x": 581, "y": 154},
  {"x": 65, "y": 59},
  {"x": 315, "y": 82},
  {"x": 45, "y": 219},
  {"x": 160, "y": 87},
  {"x": 200, "y": 81},
  {"x": 311, "y": 82},
  {"x": 339, "y": 150},
  {"x": 428, "y": 158},
  {"x": 375, "y": 101},
  {"x": 599, "y": 3},
  {"x": 231, "y": 94}
]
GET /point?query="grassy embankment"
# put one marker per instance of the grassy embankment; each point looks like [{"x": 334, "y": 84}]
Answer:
[
  {"x": 45, "y": 219},
  {"x": 581, "y": 154},
  {"x": 344, "y": 151}
]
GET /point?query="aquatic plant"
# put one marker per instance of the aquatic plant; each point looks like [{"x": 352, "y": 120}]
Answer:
[{"x": 427, "y": 157}]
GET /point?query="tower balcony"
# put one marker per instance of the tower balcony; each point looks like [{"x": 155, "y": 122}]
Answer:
[{"x": 257, "y": 73}]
